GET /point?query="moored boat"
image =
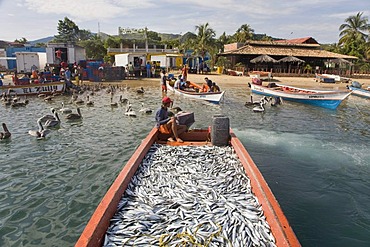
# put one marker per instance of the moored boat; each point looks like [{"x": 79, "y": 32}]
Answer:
[
  {"x": 330, "y": 99},
  {"x": 94, "y": 232},
  {"x": 213, "y": 97},
  {"x": 360, "y": 92},
  {"x": 33, "y": 89}
]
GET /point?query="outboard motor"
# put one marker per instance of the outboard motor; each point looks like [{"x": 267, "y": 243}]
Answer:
[{"x": 356, "y": 84}]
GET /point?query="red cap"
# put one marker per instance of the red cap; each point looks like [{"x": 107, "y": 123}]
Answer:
[{"x": 166, "y": 100}]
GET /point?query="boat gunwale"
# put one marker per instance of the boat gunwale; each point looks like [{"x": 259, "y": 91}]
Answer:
[
  {"x": 94, "y": 232},
  {"x": 32, "y": 85}
]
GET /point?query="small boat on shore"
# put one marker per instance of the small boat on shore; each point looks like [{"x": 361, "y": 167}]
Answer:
[
  {"x": 114, "y": 203},
  {"x": 331, "y": 78},
  {"x": 34, "y": 89},
  {"x": 262, "y": 75},
  {"x": 330, "y": 99},
  {"x": 360, "y": 92},
  {"x": 213, "y": 97}
]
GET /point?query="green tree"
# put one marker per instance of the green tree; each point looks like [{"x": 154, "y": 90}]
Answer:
[
  {"x": 244, "y": 33},
  {"x": 23, "y": 40},
  {"x": 94, "y": 48},
  {"x": 68, "y": 31},
  {"x": 205, "y": 40},
  {"x": 355, "y": 28}
]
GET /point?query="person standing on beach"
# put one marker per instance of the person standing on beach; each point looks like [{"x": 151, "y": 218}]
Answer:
[
  {"x": 148, "y": 70},
  {"x": 164, "y": 81},
  {"x": 168, "y": 125}
]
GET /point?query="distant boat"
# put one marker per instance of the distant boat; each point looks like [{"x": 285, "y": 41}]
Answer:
[
  {"x": 213, "y": 97},
  {"x": 327, "y": 99},
  {"x": 331, "y": 78},
  {"x": 262, "y": 75},
  {"x": 33, "y": 89}
]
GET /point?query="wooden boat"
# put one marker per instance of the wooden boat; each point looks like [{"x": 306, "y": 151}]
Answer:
[
  {"x": 33, "y": 89},
  {"x": 331, "y": 78},
  {"x": 327, "y": 99},
  {"x": 360, "y": 92},
  {"x": 93, "y": 234},
  {"x": 213, "y": 97},
  {"x": 262, "y": 75}
]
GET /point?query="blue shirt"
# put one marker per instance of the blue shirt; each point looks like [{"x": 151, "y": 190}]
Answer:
[{"x": 161, "y": 116}]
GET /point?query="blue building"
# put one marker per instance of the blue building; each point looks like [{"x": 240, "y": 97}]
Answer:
[{"x": 10, "y": 52}]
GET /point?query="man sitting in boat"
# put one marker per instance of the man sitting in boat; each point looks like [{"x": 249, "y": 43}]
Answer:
[
  {"x": 177, "y": 82},
  {"x": 215, "y": 87},
  {"x": 168, "y": 125}
]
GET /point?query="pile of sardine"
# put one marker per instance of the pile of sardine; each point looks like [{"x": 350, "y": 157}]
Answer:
[{"x": 189, "y": 196}]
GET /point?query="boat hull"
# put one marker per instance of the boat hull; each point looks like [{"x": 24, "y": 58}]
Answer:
[
  {"x": 213, "y": 97},
  {"x": 360, "y": 92},
  {"x": 93, "y": 234},
  {"x": 325, "y": 99},
  {"x": 33, "y": 89}
]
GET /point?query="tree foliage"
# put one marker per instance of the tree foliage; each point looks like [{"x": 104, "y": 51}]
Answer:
[
  {"x": 68, "y": 31},
  {"x": 94, "y": 48}
]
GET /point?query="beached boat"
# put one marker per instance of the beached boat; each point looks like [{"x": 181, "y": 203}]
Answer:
[
  {"x": 360, "y": 91},
  {"x": 33, "y": 89},
  {"x": 96, "y": 229},
  {"x": 331, "y": 78},
  {"x": 262, "y": 75},
  {"x": 213, "y": 97},
  {"x": 328, "y": 99}
]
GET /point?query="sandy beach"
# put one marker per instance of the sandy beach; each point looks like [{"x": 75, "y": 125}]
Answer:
[{"x": 221, "y": 80}]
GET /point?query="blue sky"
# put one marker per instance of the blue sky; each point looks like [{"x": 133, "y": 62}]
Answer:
[{"x": 288, "y": 19}]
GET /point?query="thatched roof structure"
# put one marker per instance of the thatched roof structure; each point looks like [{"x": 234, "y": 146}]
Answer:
[
  {"x": 263, "y": 59},
  {"x": 291, "y": 59},
  {"x": 283, "y": 49}
]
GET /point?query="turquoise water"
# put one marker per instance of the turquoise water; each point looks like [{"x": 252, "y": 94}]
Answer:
[{"x": 316, "y": 162}]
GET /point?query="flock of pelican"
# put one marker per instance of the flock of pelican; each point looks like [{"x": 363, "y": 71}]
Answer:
[
  {"x": 260, "y": 105},
  {"x": 52, "y": 121}
]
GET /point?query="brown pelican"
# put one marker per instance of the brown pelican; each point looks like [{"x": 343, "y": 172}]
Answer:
[
  {"x": 47, "y": 117},
  {"x": 6, "y": 134},
  {"x": 129, "y": 112},
  {"x": 88, "y": 102},
  {"x": 145, "y": 109},
  {"x": 54, "y": 123},
  {"x": 252, "y": 102},
  {"x": 74, "y": 116},
  {"x": 65, "y": 110},
  {"x": 41, "y": 132},
  {"x": 114, "y": 104},
  {"x": 141, "y": 90}
]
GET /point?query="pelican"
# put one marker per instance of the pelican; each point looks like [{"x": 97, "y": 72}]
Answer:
[
  {"x": 145, "y": 109},
  {"x": 41, "y": 133},
  {"x": 141, "y": 90},
  {"x": 65, "y": 110},
  {"x": 79, "y": 101},
  {"x": 88, "y": 102},
  {"x": 113, "y": 104},
  {"x": 55, "y": 123},
  {"x": 260, "y": 108},
  {"x": 277, "y": 101},
  {"x": 74, "y": 116},
  {"x": 122, "y": 100},
  {"x": 47, "y": 117},
  {"x": 6, "y": 134},
  {"x": 129, "y": 112},
  {"x": 252, "y": 102},
  {"x": 19, "y": 104},
  {"x": 48, "y": 98}
]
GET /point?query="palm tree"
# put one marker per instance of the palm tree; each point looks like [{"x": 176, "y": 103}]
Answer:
[
  {"x": 244, "y": 33},
  {"x": 355, "y": 28},
  {"x": 205, "y": 39}
]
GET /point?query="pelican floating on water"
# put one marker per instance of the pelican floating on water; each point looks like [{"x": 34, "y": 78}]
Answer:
[
  {"x": 113, "y": 104},
  {"x": 6, "y": 134},
  {"x": 41, "y": 132},
  {"x": 145, "y": 109},
  {"x": 129, "y": 112},
  {"x": 65, "y": 110},
  {"x": 74, "y": 116},
  {"x": 47, "y": 117},
  {"x": 141, "y": 90},
  {"x": 88, "y": 102},
  {"x": 55, "y": 123}
]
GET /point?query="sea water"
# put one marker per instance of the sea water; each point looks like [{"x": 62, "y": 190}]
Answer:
[{"x": 316, "y": 162}]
